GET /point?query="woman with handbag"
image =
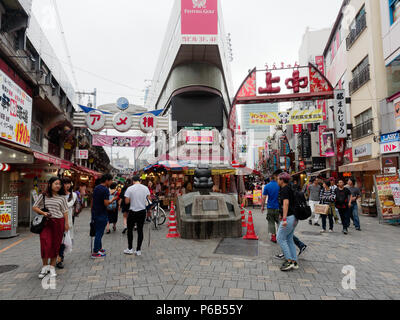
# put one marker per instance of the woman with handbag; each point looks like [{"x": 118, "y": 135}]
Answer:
[
  {"x": 327, "y": 197},
  {"x": 71, "y": 198},
  {"x": 54, "y": 208}
]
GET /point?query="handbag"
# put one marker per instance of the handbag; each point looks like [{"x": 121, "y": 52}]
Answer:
[{"x": 38, "y": 223}]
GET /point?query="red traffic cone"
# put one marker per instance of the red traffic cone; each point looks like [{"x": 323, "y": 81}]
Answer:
[
  {"x": 173, "y": 231},
  {"x": 172, "y": 209},
  {"x": 251, "y": 234},
  {"x": 244, "y": 224}
]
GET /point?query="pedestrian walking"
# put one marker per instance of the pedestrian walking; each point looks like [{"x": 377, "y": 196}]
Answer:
[
  {"x": 327, "y": 197},
  {"x": 271, "y": 191},
  {"x": 136, "y": 197},
  {"x": 333, "y": 187},
  {"x": 71, "y": 198},
  {"x": 123, "y": 205},
  {"x": 313, "y": 195},
  {"x": 101, "y": 200},
  {"x": 56, "y": 224},
  {"x": 288, "y": 224},
  {"x": 113, "y": 208},
  {"x": 342, "y": 202},
  {"x": 355, "y": 195},
  {"x": 81, "y": 192}
]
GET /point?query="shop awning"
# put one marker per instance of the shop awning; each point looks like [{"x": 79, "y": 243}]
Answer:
[
  {"x": 63, "y": 164},
  {"x": 87, "y": 171},
  {"x": 318, "y": 173},
  {"x": 247, "y": 172},
  {"x": 214, "y": 172},
  {"x": 297, "y": 173},
  {"x": 371, "y": 165}
]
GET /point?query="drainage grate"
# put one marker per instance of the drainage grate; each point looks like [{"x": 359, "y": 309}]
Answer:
[
  {"x": 8, "y": 268},
  {"x": 111, "y": 296},
  {"x": 238, "y": 247},
  {"x": 311, "y": 233}
]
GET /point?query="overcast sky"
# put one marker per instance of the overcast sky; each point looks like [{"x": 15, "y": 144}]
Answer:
[{"x": 120, "y": 40}]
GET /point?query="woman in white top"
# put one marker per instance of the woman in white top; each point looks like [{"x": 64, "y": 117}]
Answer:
[{"x": 71, "y": 198}]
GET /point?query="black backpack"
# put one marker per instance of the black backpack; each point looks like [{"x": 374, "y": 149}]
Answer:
[{"x": 302, "y": 210}]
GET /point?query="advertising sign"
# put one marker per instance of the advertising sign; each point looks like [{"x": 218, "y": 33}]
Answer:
[
  {"x": 388, "y": 188},
  {"x": 6, "y": 210},
  {"x": 15, "y": 112},
  {"x": 257, "y": 197},
  {"x": 286, "y": 118},
  {"x": 199, "y": 21},
  {"x": 297, "y": 128},
  {"x": 340, "y": 114},
  {"x": 199, "y": 137},
  {"x": 327, "y": 144},
  {"x": 397, "y": 113},
  {"x": 363, "y": 151},
  {"x": 82, "y": 154},
  {"x": 319, "y": 163},
  {"x": 390, "y": 143},
  {"x": 306, "y": 148},
  {"x": 127, "y": 142}
]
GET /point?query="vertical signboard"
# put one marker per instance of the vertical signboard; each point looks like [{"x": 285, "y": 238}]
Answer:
[
  {"x": 397, "y": 113},
  {"x": 306, "y": 150},
  {"x": 199, "y": 21},
  {"x": 388, "y": 197},
  {"x": 340, "y": 114}
]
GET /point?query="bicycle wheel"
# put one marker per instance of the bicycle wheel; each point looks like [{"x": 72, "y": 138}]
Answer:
[{"x": 161, "y": 216}]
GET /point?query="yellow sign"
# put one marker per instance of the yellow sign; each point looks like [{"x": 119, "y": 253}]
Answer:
[
  {"x": 257, "y": 197},
  {"x": 286, "y": 118}
]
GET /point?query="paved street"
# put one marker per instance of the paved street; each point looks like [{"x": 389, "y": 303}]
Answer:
[{"x": 184, "y": 269}]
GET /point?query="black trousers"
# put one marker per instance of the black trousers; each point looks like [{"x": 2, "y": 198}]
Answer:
[
  {"x": 345, "y": 217},
  {"x": 138, "y": 218}
]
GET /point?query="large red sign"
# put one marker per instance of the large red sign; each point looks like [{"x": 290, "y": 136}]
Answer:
[{"x": 199, "y": 17}]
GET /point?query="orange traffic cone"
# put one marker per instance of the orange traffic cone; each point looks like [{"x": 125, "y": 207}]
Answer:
[
  {"x": 173, "y": 231},
  {"x": 244, "y": 224},
  {"x": 251, "y": 234}
]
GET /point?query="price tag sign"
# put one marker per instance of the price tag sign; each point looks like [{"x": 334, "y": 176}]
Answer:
[{"x": 5, "y": 215}]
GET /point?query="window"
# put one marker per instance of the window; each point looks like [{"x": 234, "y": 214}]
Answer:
[
  {"x": 364, "y": 117},
  {"x": 358, "y": 25},
  {"x": 394, "y": 7},
  {"x": 361, "y": 76},
  {"x": 362, "y": 65},
  {"x": 364, "y": 125}
]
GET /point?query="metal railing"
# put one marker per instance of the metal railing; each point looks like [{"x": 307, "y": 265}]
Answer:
[
  {"x": 363, "y": 130},
  {"x": 359, "y": 80},
  {"x": 361, "y": 25}
]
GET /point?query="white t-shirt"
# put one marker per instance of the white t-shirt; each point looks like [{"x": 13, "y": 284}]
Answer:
[{"x": 138, "y": 196}]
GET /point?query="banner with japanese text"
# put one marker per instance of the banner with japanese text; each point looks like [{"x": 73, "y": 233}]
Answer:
[
  {"x": 127, "y": 142},
  {"x": 340, "y": 114},
  {"x": 15, "y": 112},
  {"x": 294, "y": 117}
]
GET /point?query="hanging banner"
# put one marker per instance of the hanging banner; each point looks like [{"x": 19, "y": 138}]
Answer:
[
  {"x": 327, "y": 144},
  {"x": 127, "y": 142},
  {"x": 297, "y": 128},
  {"x": 15, "y": 112},
  {"x": 340, "y": 114},
  {"x": 321, "y": 130},
  {"x": 286, "y": 118},
  {"x": 306, "y": 148}
]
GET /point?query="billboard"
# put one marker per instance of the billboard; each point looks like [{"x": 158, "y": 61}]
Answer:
[{"x": 286, "y": 118}]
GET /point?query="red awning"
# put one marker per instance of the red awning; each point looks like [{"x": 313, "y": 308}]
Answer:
[
  {"x": 63, "y": 164},
  {"x": 87, "y": 171}
]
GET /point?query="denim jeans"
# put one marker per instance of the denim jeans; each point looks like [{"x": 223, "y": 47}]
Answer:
[
  {"x": 285, "y": 238},
  {"x": 298, "y": 243},
  {"x": 100, "y": 223},
  {"x": 354, "y": 215}
]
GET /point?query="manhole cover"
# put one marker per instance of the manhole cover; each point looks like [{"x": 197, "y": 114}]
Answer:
[
  {"x": 311, "y": 233},
  {"x": 8, "y": 268},
  {"x": 238, "y": 247},
  {"x": 111, "y": 296}
]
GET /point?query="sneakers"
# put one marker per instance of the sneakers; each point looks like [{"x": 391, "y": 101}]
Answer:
[
  {"x": 129, "y": 252},
  {"x": 52, "y": 272},
  {"x": 322, "y": 231},
  {"x": 302, "y": 249},
  {"x": 98, "y": 255},
  {"x": 287, "y": 266},
  {"x": 273, "y": 238},
  {"x": 358, "y": 229},
  {"x": 102, "y": 251},
  {"x": 44, "y": 272},
  {"x": 60, "y": 265},
  {"x": 280, "y": 256},
  {"x": 317, "y": 224},
  {"x": 138, "y": 253},
  {"x": 345, "y": 231},
  {"x": 295, "y": 265},
  {"x": 330, "y": 230}
]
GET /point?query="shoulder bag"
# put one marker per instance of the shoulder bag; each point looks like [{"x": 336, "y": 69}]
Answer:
[{"x": 38, "y": 223}]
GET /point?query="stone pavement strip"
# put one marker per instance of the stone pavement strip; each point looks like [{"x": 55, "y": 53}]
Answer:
[{"x": 188, "y": 269}]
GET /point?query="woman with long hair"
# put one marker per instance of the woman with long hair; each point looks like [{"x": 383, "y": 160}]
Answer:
[
  {"x": 56, "y": 224},
  {"x": 71, "y": 198},
  {"x": 112, "y": 209}
]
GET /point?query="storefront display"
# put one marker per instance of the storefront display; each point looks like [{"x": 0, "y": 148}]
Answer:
[{"x": 388, "y": 198}]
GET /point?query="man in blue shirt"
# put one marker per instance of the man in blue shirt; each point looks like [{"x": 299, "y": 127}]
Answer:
[
  {"x": 271, "y": 191},
  {"x": 101, "y": 200}
]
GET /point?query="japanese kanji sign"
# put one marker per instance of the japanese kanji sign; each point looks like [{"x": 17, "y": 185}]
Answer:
[
  {"x": 340, "y": 114},
  {"x": 122, "y": 122},
  {"x": 286, "y": 118},
  {"x": 147, "y": 123},
  {"x": 96, "y": 120},
  {"x": 15, "y": 112}
]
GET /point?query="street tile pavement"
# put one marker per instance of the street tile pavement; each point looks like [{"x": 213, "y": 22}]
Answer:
[{"x": 190, "y": 270}]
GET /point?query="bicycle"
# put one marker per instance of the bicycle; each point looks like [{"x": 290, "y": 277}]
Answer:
[{"x": 158, "y": 215}]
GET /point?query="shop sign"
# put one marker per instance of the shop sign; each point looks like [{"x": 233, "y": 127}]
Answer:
[
  {"x": 15, "y": 112},
  {"x": 390, "y": 162},
  {"x": 257, "y": 197},
  {"x": 340, "y": 114},
  {"x": 82, "y": 154},
  {"x": 199, "y": 21},
  {"x": 6, "y": 211},
  {"x": 95, "y": 121},
  {"x": 348, "y": 154},
  {"x": 294, "y": 117},
  {"x": 363, "y": 151},
  {"x": 391, "y": 147},
  {"x": 319, "y": 163},
  {"x": 47, "y": 158},
  {"x": 297, "y": 128},
  {"x": 147, "y": 123},
  {"x": 306, "y": 148},
  {"x": 391, "y": 137},
  {"x": 388, "y": 188},
  {"x": 199, "y": 137},
  {"x": 114, "y": 141},
  {"x": 302, "y": 166},
  {"x": 347, "y": 174},
  {"x": 392, "y": 170},
  {"x": 122, "y": 122},
  {"x": 397, "y": 113}
]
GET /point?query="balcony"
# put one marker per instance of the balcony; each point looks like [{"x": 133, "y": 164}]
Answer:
[
  {"x": 361, "y": 25},
  {"x": 363, "y": 130},
  {"x": 359, "y": 80}
]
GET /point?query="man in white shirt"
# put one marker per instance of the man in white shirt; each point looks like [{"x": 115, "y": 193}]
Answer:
[{"x": 137, "y": 197}]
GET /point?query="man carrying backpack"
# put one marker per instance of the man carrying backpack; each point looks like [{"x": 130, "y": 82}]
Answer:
[{"x": 342, "y": 204}]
